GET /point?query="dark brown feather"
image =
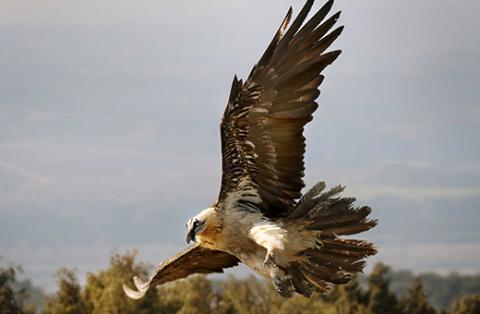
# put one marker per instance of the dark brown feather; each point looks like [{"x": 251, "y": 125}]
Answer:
[
  {"x": 262, "y": 128},
  {"x": 333, "y": 260},
  {"x": 193, "y": 260}
]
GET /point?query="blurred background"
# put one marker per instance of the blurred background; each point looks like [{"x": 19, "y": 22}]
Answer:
[{"x": 110, "y": 111}]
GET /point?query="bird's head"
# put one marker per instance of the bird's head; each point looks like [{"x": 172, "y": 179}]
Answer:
[{"x": 199, "y": 223}]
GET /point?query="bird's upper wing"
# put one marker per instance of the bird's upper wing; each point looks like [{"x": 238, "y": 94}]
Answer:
[
  {"x": 262, "y": 127},
  {"x": 193, "y": 260}
]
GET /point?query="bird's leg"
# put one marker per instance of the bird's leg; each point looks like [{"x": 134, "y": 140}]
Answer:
[
  {"x": 271, "y": 236},
  {"x": 269, "y": 259},
  {"x": 281, "y": 279}
]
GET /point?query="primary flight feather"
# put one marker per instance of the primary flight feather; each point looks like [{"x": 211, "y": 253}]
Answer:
[{"x": 260, "y": 217}]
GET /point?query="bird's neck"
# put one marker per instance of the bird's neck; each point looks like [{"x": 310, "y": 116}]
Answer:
[{"x": 211, "y": 236}]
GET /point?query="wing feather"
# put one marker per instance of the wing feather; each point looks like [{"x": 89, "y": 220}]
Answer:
[
  {"x": 270, "y": 110},
  {"x": 193, "y": 260}
]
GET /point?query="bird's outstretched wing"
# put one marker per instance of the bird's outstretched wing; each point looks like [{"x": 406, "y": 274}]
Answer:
[
  {"x": 193, "y": 260},
  {"x": 262, "y": 128}
]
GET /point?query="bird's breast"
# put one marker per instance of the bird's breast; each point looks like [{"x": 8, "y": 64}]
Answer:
[{"x": 210, "y": 236}]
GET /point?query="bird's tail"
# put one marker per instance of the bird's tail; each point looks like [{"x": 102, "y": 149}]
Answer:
[{"x": 334, "y": 259}]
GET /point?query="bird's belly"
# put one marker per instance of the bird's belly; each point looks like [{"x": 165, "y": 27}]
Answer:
[
  {"x": 247, "y": 251},
  {"x": 234, "y": 239},
  {"x": 255, "y": 261}
]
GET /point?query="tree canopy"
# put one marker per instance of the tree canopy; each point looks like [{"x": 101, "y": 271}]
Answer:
[{"x": 102, "y": 293}]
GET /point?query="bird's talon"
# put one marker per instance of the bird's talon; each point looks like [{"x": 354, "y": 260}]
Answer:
[
  {"x": 283, "y": 286},
  {"x": 270, "y": 260}
]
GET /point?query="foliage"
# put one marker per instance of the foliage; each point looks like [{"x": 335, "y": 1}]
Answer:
[
  {"x": 441, "y": 290},
  {"x": 68, "y": 299},
  {"x": 350, "y": 298},
  {"x": 415, "y": 300},
  {"x": 192, "y": 295},
  {"x": 12, "y": 299},
  {"x": 248, "y": 295},
  {"x": 30, "y": 296},
  {"x": 380, "y": 299},
  {"x": 8, "y": 301},
  {"x": 467, "y": 305},
  {"x": 103, "y": 293}
]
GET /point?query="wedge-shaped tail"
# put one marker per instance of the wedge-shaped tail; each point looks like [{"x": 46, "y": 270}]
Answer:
[{"x": 335, "y": 259}]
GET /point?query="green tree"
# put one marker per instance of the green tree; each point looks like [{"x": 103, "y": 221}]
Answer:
[
  {"x": 171, "y": 296},
  {"x": 300, "y": 304},
  {"x": 467, "y": 305},
  {"x": 28, "y": 295},
  {"x": 442, "y": 290},
  {"x": 190, "y": 295},
  {"x": 8, "y": 300},
  {"x": 380, "y": 299},
  {"x": 198, "y": 296},
  {"x": 15, "y": 296},
  {"x": 249, "y": 295},
  {"x": 415, "y": 301},
  {"x": 103, "y": 291},
  {"x": 68, "y": 299},
  {"x": 350, "y": 298}
]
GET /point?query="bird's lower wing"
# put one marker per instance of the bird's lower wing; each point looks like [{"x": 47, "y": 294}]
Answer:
[{"x": 193, "y": 260}]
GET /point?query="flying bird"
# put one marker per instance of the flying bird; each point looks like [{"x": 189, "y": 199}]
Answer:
[{"x": 261, "y": 218}]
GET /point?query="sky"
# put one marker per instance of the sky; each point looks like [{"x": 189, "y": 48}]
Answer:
[{"x": 110, "y": 111}]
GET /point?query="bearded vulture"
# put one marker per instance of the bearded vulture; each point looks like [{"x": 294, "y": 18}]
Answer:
[{"x": 261, "y": 218}]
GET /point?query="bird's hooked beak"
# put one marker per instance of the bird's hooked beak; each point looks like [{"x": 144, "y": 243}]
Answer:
[
  {"x": 193, "y": 227},
  {"x": 190, "y": 236}
]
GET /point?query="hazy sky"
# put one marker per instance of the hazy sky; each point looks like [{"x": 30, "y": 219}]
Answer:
[{"x": 110, "y": 110}]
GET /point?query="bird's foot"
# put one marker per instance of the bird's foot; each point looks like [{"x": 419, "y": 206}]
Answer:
[
  {"x": 283, "y": 285},
  {"x": 270, "y": 260},
  {"x": 281, "y": 280}
]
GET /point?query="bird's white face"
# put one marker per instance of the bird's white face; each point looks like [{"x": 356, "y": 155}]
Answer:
[{"x": 198, "y": 223}]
